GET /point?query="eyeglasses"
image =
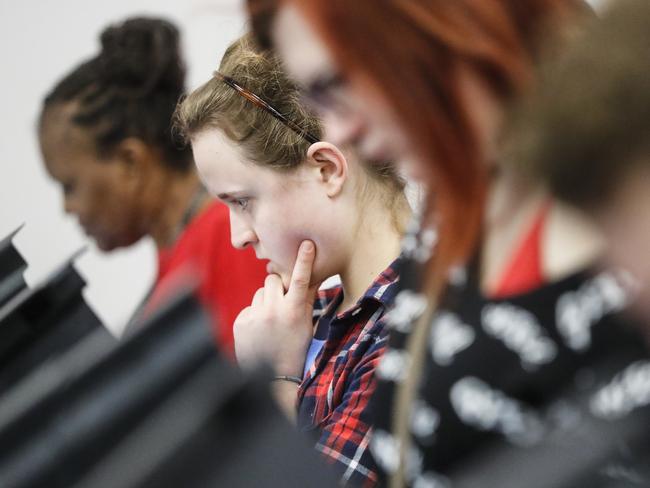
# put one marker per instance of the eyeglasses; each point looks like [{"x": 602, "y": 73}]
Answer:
[
  {"x": 251, "y": 97},
  {"x": 325, "y": 94}
]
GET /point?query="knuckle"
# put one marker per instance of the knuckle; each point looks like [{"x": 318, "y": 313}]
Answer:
[
  {"x": 301, "y": 281},
  {"x": 268, "y": 316},
  {"x": 243, "y": 318},
  {"x": 242, "y": 315}
]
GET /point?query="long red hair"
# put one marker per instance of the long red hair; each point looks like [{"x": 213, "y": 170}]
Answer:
[{"x": 409, "y": 51}]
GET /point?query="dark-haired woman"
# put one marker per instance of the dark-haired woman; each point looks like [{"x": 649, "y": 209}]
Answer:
[{"x": 105, "y": 135}]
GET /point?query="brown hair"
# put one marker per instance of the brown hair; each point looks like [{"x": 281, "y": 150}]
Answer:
[
  {"x": 264, "y": 139},
  {"x": 589, "y": 122}
]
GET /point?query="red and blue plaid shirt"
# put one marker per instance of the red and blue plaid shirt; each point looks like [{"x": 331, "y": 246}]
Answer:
[{"x": 333, "y": 400}]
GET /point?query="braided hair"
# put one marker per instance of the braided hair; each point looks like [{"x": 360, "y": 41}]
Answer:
[{"x": 130, "y": 89}]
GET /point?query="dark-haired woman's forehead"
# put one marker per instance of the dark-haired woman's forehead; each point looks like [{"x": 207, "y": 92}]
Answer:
[{"x": 61, "y": 140}]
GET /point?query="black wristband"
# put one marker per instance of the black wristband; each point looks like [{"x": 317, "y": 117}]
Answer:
[{"x": 293, "y": 379}]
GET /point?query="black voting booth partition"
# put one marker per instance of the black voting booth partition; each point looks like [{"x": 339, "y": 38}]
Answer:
[
  {"x": 161, "y": 408},
  {"x": 39, "y": 324},
  {"x": 12, "y": 267}
]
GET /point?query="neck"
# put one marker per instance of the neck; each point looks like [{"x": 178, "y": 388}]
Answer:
[
  {"x": 512, "y": 203},
  {"x": 177, "y": 193},
  {"x": 569, "y": 242},
  {"x": 375, "y": 245}
]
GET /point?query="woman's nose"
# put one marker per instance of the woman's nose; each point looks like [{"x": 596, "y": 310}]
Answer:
[
  {"x": 70, "y": 205},
  {"x": 241, "y": 234}
]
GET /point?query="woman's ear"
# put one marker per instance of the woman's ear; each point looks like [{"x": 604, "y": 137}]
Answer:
[{"x": 330, "y": 165}]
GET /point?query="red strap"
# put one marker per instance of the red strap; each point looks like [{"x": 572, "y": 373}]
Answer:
[{"x": 524, "y": 273}]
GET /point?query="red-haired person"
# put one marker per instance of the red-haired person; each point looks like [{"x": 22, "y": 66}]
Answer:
[{"x": 511, "y": 313}]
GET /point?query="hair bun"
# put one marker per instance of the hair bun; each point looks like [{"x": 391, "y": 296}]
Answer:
[{"x": 142, "y": 55}]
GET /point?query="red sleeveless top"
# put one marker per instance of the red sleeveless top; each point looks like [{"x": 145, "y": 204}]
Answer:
[{"x": 524, "y": 272}]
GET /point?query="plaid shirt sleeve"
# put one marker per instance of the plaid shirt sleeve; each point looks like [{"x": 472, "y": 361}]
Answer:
[{"x": 345, "y": 434}]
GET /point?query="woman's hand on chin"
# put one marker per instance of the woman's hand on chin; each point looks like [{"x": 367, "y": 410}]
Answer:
[{"x": 277, "y": 328}]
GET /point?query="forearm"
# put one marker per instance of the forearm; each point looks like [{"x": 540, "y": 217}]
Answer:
[
  {"x": 285, "y": 394},
  {"x": 285, "y": 386}
]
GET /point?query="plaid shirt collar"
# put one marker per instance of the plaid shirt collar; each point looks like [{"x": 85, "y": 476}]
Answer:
[
  {"x": 379, "y": 295},
  {"x": 382, "y": 291}
]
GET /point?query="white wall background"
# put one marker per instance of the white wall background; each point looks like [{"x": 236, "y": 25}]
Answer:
[{"x": 40, "y": 41}]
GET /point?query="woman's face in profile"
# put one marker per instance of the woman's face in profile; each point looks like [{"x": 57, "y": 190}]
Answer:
[
  {"x": 352, "y": 114},
  {"x": 353, "y": 110},
  {"x": 96, "y": 191},
  {"x": 273, "y": 211}
]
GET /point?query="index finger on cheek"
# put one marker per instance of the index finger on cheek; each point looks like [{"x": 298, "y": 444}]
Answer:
[{"x": 302, "y": 270}]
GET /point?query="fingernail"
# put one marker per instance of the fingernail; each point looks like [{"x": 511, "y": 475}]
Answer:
[{"x": 308, "y": 246}]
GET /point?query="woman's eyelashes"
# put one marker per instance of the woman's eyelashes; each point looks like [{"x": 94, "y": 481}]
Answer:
[{"x": 240, "y": 203}]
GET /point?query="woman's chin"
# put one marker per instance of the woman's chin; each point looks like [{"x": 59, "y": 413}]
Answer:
[
  {"x": 285, "y": 277},
  {"x": 108, "y": 244},
  {"x": 100, "y": 243}
]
